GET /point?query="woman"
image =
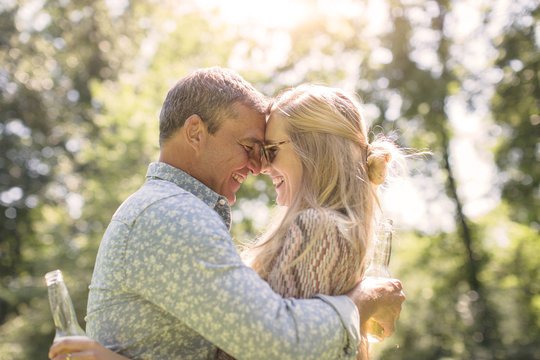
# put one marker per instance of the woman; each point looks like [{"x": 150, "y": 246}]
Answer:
[{"x": 326, "y": 175}]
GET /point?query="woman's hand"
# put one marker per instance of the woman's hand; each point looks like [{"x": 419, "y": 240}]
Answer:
[{"x": 81, "y": 348}]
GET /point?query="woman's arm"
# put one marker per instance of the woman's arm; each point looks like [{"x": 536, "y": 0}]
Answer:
[{"x": 81, "y": 347}]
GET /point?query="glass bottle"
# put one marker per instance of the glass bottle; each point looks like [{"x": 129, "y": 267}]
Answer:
[
  {"x": 378, "y": 268},
  {"x": 62, "y": 309}
]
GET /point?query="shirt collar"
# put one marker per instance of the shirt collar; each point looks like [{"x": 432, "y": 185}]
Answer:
[{"x": 180, "y": 178}]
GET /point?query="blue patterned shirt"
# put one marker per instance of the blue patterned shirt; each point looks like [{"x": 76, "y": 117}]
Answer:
[{"x": 168, "y": 283}]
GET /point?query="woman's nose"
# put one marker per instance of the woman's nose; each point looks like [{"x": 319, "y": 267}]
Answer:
[{"x": 265, "y": 166}]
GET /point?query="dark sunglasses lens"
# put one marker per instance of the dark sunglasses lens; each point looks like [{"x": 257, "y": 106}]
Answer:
[
  {"x": 271, "y": 154},
  {"x": 266, "y": 154}
]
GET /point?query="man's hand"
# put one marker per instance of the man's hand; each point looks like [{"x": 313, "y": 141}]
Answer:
[
  {"x": 379, "y": 298},
  {"x": 81, "y": 347}
]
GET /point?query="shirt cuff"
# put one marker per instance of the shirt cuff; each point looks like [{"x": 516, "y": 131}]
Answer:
[{"x": 350, "y": 318}]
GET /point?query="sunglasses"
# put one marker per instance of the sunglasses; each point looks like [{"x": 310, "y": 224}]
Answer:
[{"x": 269, "y": 151}]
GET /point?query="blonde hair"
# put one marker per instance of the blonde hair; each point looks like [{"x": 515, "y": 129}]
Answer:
[{"x": 341, "y": 171}]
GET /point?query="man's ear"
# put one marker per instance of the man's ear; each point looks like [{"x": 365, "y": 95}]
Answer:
[{"x": 195, "y": 131}]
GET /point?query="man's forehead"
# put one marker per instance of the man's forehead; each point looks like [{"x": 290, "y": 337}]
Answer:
[
  {"x": 252, "y": 140},
  {"x": 250, "y": 122}
]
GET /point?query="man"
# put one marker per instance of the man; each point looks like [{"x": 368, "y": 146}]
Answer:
[{"x": 168, "y": 282}]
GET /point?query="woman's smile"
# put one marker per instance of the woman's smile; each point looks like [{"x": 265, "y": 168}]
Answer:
[{"x": 283, "y": 165}]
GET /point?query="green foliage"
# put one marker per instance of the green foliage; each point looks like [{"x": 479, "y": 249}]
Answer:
[
  {"x": 516, "y": 109},
  {"x": 50, "y": 56},
  {"x": 440, "y": 304}
]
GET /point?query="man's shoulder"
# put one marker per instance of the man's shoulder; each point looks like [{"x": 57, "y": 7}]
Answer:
[{"x": 161, "y": 195}]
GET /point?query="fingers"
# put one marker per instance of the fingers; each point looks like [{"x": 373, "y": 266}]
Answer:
[
  {"x": 70, "y": 345},
  {"x": 393, "y": 295},
  {"x": 384, "y": 285},
  {"x": 81, "y": 348},
  {"x": 81, "y": 355},
  {"x": 66, "y": 356},
  {"x": 397, "y": 284},
  {"x": 397, "y": 294}
]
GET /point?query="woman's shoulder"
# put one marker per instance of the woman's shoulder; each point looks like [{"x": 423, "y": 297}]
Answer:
[
  {"x": 310, "y": 220},
  {"x": 326, "y": 215}
]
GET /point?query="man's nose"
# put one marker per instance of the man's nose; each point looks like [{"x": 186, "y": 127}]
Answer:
[{"x": 255, "y": 164}]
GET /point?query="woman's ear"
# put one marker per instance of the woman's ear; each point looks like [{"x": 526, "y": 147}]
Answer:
[{"x": 195, "y": 132}]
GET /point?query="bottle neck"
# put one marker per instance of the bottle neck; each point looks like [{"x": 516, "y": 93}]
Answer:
[
  {"x": 62, "y": 310},
  {"x": 380, "y": 261}
]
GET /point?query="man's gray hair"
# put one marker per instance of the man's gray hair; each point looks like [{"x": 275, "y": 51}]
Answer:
[{"x": 211, "y": 94}]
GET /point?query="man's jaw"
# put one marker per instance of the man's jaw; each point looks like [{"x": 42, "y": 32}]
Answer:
[{"x": 238, "y": 179}]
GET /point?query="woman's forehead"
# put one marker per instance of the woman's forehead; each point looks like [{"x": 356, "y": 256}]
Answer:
[{"x": 275, "y": 128}]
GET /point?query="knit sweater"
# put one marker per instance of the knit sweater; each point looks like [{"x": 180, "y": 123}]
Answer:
[{"x": 312, "y": 261}]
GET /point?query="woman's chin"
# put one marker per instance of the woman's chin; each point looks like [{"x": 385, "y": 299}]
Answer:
[{"x": 281, "y": 202}]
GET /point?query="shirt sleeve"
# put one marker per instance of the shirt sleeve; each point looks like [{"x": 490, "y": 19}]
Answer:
[{"x": 190, "y": 268}]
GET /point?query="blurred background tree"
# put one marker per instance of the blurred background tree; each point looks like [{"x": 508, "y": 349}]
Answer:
[{"x": 81, "y": 85}]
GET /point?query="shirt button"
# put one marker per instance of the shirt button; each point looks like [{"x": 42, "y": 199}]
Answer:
[{"x": 222, "y": 201}]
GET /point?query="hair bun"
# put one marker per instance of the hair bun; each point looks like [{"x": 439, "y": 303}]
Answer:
[{"x": 379, "y": 155}]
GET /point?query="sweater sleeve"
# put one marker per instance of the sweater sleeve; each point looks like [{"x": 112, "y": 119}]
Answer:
[{"x": 315, "y": 259}]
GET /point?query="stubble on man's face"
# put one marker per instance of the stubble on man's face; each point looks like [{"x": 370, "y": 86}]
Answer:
[{"x": 226, "y": 160}]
